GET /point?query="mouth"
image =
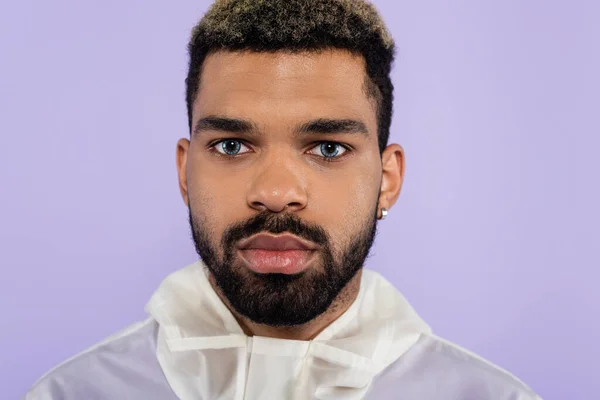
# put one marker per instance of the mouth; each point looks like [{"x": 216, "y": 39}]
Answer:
[{"x": 277, "y": 254}]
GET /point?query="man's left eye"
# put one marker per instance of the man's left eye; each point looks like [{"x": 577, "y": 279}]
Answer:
[{"x": 328, "y": 150}]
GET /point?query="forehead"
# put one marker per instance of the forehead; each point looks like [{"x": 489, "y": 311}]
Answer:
[{"x": 329, "y": 83}]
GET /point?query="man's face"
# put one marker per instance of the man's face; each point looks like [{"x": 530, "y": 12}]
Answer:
[{"x": 282, "y": 177}]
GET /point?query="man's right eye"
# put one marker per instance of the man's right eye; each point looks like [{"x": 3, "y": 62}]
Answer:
[{"x": 230, "y": 147}]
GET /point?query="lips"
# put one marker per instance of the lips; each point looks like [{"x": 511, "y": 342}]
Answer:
[
  {"x": 275, "y": 243},
  {"x": 283, "y": 254}
]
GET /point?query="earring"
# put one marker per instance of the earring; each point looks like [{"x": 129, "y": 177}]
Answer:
[{"x": 384, "y": 214}]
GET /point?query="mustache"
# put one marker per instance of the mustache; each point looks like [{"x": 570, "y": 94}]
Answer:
[{"x": 268, "y": 222}]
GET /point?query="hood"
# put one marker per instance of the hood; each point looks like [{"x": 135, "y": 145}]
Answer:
[{"x": 205, "y": 354}]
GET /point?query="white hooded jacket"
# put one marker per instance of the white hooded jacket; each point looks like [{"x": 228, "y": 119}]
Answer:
[{"x": 192, "y": 348}]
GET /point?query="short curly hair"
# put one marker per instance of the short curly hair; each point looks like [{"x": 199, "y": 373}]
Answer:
[{"x": 297, "y": 26}]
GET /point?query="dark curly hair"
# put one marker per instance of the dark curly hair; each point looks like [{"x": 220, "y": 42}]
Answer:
[{"x": 296, "y": 26}]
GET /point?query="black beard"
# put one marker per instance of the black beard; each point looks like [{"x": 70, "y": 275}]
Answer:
[{"x": 280, "y": 299}]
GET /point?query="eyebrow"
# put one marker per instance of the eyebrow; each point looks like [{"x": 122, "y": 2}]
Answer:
[
  {"x": 316, "y": 127},
  {"x": 222, "y": 124},
  {"x": 330, "y": 126}
]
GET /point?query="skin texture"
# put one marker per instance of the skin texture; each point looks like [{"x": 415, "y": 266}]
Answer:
[{"x": 280, "y": 171}]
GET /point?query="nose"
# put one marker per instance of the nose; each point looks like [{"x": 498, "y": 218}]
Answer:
[{"x": 278, "y": 186}]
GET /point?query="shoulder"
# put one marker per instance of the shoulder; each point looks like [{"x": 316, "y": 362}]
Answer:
[
  {"x": 105, "y": 369},
  {"x": 435, "y": 368}
]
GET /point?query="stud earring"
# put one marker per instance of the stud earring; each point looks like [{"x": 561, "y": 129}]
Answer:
[{"x": 384, "y": 214}]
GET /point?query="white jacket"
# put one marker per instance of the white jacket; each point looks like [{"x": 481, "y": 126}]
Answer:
[{"x": 192, "y": 348}]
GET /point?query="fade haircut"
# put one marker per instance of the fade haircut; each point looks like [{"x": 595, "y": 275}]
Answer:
[{"x": 299, "y": 26}]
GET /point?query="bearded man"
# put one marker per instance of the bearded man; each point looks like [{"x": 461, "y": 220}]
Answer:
[{"x": 286, "y": 172}]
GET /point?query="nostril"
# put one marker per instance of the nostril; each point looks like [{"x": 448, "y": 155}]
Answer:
[
  {"x": 294, "y": 205},
  {"x": 276, "y": 198},
  {"x": 258, "y": 205}
]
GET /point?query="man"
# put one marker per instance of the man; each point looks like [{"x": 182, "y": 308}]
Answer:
[{"x": 285, "y": 174}]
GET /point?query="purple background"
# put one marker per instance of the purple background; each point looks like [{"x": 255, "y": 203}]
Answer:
[{"x": 495, "y": 238}]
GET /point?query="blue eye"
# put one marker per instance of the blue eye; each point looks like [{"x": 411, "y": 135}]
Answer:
[
  {"x": 329, "y": 150},
  {"x": 230, "y": 147}
]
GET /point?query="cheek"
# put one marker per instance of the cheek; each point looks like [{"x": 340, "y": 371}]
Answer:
[
  {"x": 218, "y": 190},
  {"x": 344, "y": 204},
  {"x": 216, "y": 199}
]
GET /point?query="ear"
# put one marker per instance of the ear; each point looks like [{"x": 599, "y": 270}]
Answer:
[
  {"x": 183, "y": 147},
  {"x": 392, "y": 161}
]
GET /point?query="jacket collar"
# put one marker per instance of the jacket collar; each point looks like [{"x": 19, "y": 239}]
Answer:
[{"x": 374, "y": 332}]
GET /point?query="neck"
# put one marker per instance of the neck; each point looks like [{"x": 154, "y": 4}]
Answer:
[{"x": 306, "y": 331}]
